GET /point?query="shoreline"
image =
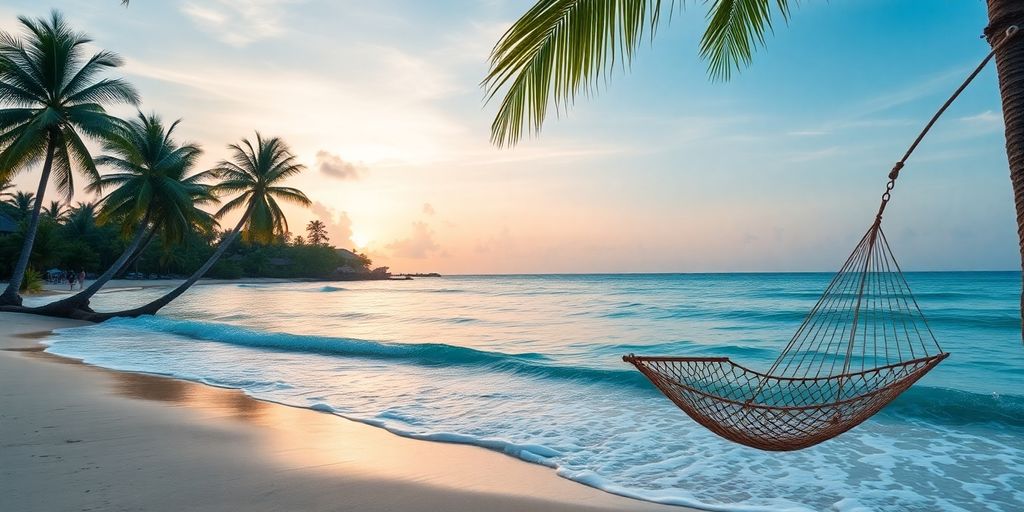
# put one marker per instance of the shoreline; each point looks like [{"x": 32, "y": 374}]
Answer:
[{"x": 80, "y": 436}]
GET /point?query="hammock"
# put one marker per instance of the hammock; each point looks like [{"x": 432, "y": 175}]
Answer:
[{"x": 863, "y": 343}]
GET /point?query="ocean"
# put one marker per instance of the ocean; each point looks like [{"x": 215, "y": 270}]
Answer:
[{"x": 531, "y": 366}]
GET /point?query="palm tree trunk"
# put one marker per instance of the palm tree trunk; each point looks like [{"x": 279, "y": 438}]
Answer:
[
  {"x": 11, "y": 295},
  {"x": 80, "y": 300},
  {"x": 156, "y": 305},
  {"x": 1010, "y": 67},
  {"x": 138, "y": 252}
]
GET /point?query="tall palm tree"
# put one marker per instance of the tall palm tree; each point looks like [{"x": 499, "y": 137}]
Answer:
[
  {"x": 53, "y": 96},
  {"x": 255, "y": 173},
  {"x": 22, "y": 203},
  {"x": 81, "y": 218},
  {"x": 317, "y": 232},
  {"x": 560, "y": 48},
  {"x": 55, "y": 211},
  {"x": 153, "y": 188}
]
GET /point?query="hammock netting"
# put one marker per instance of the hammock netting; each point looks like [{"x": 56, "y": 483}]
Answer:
[{"x": 862, "y": 344}]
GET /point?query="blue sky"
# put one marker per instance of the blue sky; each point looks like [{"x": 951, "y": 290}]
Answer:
[{"x": 663, "y": 171}]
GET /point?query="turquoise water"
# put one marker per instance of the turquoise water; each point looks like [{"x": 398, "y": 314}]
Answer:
[{"x": 531, "y": 365}]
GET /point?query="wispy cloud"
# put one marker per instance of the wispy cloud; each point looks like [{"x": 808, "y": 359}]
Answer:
[
  {"x": 815, "y": 154},
  {"x": 987, "y": 118},
  {"x": 239, "y": 22}
]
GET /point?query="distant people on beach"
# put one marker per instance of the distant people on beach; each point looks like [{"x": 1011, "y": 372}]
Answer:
[
  {"x": 81, "y": 279},
  {"x": 71, "y": 279}
]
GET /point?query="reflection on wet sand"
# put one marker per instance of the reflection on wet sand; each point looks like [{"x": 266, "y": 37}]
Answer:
[
  {"x": 220, "y": 401},
  {"x": 213, "y": 400}
]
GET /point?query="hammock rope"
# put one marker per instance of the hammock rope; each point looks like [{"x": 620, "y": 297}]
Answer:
[{"x": 863, "y": 343}]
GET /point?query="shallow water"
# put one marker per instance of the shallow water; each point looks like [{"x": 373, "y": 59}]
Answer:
[{"x": 531, "y": 365}]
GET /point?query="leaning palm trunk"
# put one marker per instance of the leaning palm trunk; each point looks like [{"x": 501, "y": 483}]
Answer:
[
  {"x": 10, "y": 295},
  {"x": 80, "y": 300},
  {"x": 1010, "y": 67},
  {"x": 138, "y": 252},
  {"x": 156, "y": 305}
]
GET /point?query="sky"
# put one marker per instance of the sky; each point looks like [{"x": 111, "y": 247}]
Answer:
[{"x": 663, "y": 170}]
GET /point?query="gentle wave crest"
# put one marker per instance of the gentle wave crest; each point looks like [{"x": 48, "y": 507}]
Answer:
[{"x": 938, "y": 405}]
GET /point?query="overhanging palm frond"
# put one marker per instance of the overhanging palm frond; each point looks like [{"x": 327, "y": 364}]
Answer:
[
  {"x": 558, "y": 49},
  {"x": 561, "y": 48},
  {"x": 736, "y": 28}
]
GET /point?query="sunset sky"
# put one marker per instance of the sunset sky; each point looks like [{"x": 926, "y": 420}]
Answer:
[{"x": 663, "y": 171}]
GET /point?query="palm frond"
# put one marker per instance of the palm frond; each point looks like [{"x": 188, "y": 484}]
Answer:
[
  {"x": 562, "y": 48},
  {"x": 558, "y": 49},
  {"x": 292, "y": 195},
  {"x": 736, "y": 28}
]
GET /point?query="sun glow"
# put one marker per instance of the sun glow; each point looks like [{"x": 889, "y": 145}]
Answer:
[{"x": 360, "y": 239}]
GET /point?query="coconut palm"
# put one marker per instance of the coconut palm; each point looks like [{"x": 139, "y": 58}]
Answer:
[
  {"x": 53, "y": 96},
  {"x": 81, "y": 218},
  {"x": 55, "y": 211},
  {"x": 560, "y": 48},
  {"x": 317, "y": 232},
  {"x": 152, "y": 188},
  {"x": 255, "y": 173},
  {"x": 22, "y": 203}
]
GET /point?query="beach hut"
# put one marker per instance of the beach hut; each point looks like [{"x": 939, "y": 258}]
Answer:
[{"x": 7, "y": 224}]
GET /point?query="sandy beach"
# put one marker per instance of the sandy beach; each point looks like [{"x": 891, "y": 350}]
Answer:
[{"x": 76, "y": 437}]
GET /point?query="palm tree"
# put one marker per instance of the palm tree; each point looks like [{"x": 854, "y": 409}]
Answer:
[
  {"x": 560, "y": 48},
  {"x": 55, "y": 211},
  {"x": 153, "y": 189},
  {"x": 53, "y": 95},
  {"x": 81, "y": 218},
  {"x": 317, "y": 232},
  {"x": 255, "y": 173},
  {"x": 22, "y": 203}
]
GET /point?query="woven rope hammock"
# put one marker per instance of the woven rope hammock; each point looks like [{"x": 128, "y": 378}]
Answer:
[{"x": 863, "y": 343}]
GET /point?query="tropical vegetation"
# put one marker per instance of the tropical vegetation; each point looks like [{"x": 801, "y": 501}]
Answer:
[
  {"x": 317, "y": 231},
  {"x": 255, "y": 172},
  {"x": 53, "y": 95},
  {"x": 151, "y": 216}
]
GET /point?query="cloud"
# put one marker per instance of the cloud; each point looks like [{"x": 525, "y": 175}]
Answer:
[
  {"x": 814, "y": 154},
  {"x": 332, "y": 165},
  {"x": 987, "y": 118},
  {"x": 339, "y": 225},
  {"x": 428, "y": 209},
  {"x": 239, "y": 22},
  {"x": 418, "y": 246}
]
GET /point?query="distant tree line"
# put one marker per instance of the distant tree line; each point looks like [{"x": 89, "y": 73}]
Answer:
[{"x": 71, "y": 238}]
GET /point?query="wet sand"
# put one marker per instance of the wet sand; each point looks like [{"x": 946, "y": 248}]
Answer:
[{"x": 77, "y": 437}]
